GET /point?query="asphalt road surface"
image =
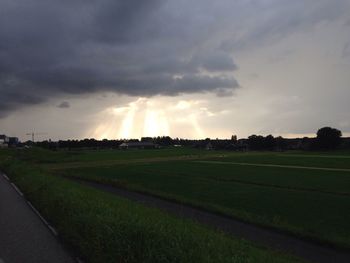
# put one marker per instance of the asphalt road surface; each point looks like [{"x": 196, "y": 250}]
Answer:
[{"x": 24, "y": 238}]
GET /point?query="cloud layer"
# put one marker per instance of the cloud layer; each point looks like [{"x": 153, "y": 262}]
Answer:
[
  {"x": 49, "y": 48},
  {"x": 142, "y": 48}
]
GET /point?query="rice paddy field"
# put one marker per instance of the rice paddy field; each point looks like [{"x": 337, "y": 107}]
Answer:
[{"x": 304, "y": 194}]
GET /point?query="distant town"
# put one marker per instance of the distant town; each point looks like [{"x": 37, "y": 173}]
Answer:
[{"x": 326, "y": 138}]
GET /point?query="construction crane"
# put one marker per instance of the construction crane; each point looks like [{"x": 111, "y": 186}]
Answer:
[{"x": 33, "y": 134}]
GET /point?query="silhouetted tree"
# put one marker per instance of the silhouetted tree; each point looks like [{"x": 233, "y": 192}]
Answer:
[
  {"x": 234, "y": 138},
  {"x": 269, "y": 142},
  {"x": 328, "y": 138},
  {"x": 256, "y": 142},
  {"x": 280, "y": 143},
  {"x": 164, "y": 141}
]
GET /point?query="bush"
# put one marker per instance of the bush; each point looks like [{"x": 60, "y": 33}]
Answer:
[{"x": 328, "y": 138}]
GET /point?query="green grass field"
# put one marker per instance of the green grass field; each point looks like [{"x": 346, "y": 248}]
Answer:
[
  {"x": 80, "y": 156},
  {"x": 104, "y": 228},
  {"x": 337, "y": 160},
  {"x": 304, "y": 193},
  {"x": 312, "y": 203}
]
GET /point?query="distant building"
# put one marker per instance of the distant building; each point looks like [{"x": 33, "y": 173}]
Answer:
[
  {"x": 3, "y": 144},
  {"x": 137, "y": 145},
  {"x": 4, "y": 138},
  {"x": 242, "y": 145},
  {"x": 209, "y": 146},
  {"x": 294, "y": 144},
  {"x": 13, "y": 141},
  {"x": 4, "y": 141}
]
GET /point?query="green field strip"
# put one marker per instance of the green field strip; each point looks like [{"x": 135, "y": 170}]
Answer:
[
  {"x": 314, "y": 156},
  {"x": 289, "y": 188},
  {"x": 279, "y": 166},
  {"x": 70, "y": 165}
]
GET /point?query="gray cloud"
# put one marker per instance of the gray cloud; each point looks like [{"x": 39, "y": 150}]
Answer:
[
  {"x": 64, "y": 105},
  {"x": 278, "y": 19},
  {"x": 346, "y": 50},
  {"x": 71, "y": 47},
  {"x": 142, "y": 48}
]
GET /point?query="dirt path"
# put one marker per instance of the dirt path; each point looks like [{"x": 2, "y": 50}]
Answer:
[
  {"x": 278, "y": 166},
  {"x": 23, "y": 236},
  {"x": 263, "y": 236}
]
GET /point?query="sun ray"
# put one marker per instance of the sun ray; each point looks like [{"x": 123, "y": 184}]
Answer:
[
  {"x": 127, "y": 125},
  {"x": 155, "y": 124}
]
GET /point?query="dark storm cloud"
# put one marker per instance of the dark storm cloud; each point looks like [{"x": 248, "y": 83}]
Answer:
[
  {"x": 142, "y": 48},
  {"x": 48, "y": 48}
]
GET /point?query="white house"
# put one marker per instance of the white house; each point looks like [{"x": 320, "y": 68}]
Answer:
[{"x": 137, "y": 145}]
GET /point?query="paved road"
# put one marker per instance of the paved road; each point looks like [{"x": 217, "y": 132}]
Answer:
[
  {"x": 269, "y": 238},
  {"x": 24, "y": 238}
]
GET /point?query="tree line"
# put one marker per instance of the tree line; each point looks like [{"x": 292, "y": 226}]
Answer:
[{"x": 327, "y": 138}]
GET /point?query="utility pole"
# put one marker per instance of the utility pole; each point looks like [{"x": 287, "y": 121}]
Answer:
[{"x": 33, "y": 134}]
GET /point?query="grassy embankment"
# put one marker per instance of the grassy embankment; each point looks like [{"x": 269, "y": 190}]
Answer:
[
  {"x": 104, "y": 228},
  {"x": 310, "y": 203}
]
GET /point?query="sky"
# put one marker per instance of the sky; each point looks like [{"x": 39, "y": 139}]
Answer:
[{"x": 187, "y": 68}]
